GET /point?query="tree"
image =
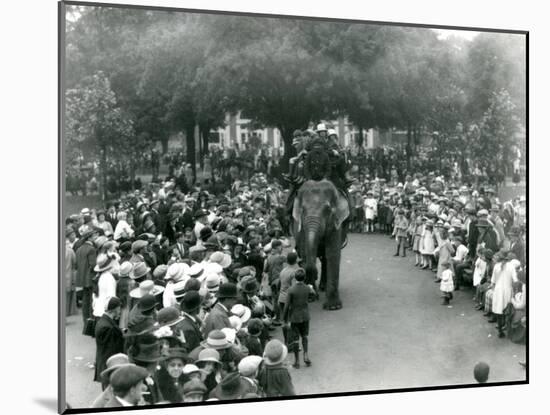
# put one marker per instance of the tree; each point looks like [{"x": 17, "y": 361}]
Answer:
[
  {"x": 498, "y": 130},
  {"x": 95, "y": 122}
]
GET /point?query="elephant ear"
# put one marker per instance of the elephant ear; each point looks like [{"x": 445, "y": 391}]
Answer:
[
  {"x": 297, "y": 213},
  {"x": 340, "y": 211}
]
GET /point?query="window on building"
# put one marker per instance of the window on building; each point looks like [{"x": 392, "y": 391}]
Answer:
[
  {"x": 214, "y": 137},
  {"x": 243, "y": 137}
]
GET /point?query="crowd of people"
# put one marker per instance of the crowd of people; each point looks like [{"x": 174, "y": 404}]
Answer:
[
  {"x": 193, "y": 292},
  {"x": 463, "y": 234},
  {"x": 189, "y": 296}
]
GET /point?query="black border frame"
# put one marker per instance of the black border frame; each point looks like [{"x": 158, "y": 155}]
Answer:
[{"x": 62, "y": 404}]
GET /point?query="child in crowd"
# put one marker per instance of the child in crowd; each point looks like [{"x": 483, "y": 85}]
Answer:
[
  {"x": 427, "y": 245},
  {"x": 446, "y": 285}
]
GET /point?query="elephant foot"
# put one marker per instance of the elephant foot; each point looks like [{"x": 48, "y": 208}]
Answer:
[{"x": 332, "y": 305}]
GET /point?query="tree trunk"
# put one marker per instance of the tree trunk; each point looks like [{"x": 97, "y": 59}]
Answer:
[
  {"x": 204, "y": 136},
  {"x": 190, "y": 150},
  {"x": 132, "y": 173},
  {"x": 360, "y": 140},
  {"x": 164, "y": 143},
  {"x": 409, "y": 142},
  {"x": 103, "y": 173}
]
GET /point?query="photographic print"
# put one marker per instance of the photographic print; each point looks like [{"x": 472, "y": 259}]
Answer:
[{"x": 259, "y": 207}]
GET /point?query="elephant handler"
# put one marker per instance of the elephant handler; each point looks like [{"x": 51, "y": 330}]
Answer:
[{"x": 296, "y": 317}]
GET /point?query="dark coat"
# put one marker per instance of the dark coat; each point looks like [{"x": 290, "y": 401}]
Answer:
[
  {"x": 296, "y": 308},
  {"x": 191, "y": 331},
  {"x": 170, "y": 233},
  {"x": 518, "y": 249},
  {"x": 85, "y": 263},
  {"x": 255, "y": 259},
  {"x": 186, "y": 220},
  {"x": 489, "y": 236},
  {"x": 109, "y": 341},
  {"x": 172, "y": 391},
  {"x": 276, "y": 381},
  {"x": 217, "y": 319}
]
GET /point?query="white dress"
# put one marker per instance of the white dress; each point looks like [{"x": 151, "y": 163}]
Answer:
[
  {"x": 503, "y": 277},
  {"x": 106, "y": 289},
  {"x": 370, "y": 206},
  {"x": 479, "y": 271},
  {"x": 427, "y": 245}
]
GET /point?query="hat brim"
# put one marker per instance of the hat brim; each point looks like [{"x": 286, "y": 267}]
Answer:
[
  {"x": 208, "y": 346},
  {"x": 105, "y": 268},
  {"x": 269, "y": 362},
  {"x": 157, "y": 289},
  {"x": 104, "y": 374},
  {"x": 171, "y": 323},
  {"x": 135, "y": 277}
]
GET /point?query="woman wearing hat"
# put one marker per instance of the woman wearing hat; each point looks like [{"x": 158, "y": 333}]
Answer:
[
  {"x": 170, "y": 375},
  {"x": 504, "y": 275},
  {"x": 105, "y": 283},
  {"x": 209, "y": 363}
]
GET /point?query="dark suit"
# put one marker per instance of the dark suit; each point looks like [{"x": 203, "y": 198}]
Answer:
[
  {"x": 296, "y": 308},
  {"x": 191, "y": 331},
  {"x": 109, "y": 341},
  {"x": 112, "y": 220},
  {"x": 170, "y": 233},
  {"x": 489, "y": 236},
  {"x": 85, "y": 263},
  {"x": 186, "y": 220}
]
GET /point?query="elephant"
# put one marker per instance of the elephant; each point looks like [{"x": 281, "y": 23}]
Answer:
[{"x": 318, "y": 216}]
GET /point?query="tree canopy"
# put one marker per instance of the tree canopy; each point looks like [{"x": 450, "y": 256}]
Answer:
[{"x": 173, "y": 71}]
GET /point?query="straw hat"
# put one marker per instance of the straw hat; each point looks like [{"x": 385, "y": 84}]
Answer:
[
  {"x": 103, "y": 263},
  {"x": 216, "y": 340},
  {"x": 275, "y": 352},
  {"x": 146, "y": 287}
]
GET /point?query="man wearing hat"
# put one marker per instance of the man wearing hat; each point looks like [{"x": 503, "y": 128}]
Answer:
[
  {"x": 296, "y": 315},
  {"x": 108, "y": 337},
  {"x": 194, "y": 391},
  {"x": 201, "y": 220},
  {"x": 232, "y": 386},
  {"x": 138, "y": 249},
  {"x": 115, "y": 362},
  {"x": 488, "y": 237},
  {"x": 85, "y": 263},
  {"x": 517, "y": 246},
  {"x": 142, "y": 314},
  {"x": 128, "y": 386},
  {"x": 146, "y": 354},
  {"x": 189, "y": 328},
  {"x": 218, "y": 318}
]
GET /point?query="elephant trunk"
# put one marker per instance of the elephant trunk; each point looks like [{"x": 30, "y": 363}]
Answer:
[{"x": 312, "y": 233}]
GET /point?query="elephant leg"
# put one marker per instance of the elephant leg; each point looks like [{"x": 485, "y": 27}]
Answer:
[
  {"x": 323, "y": 282},
  {"x": 332, "y": 255}
]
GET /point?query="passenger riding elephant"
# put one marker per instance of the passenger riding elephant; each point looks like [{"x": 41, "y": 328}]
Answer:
[{"x": 318, "y": 213}]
